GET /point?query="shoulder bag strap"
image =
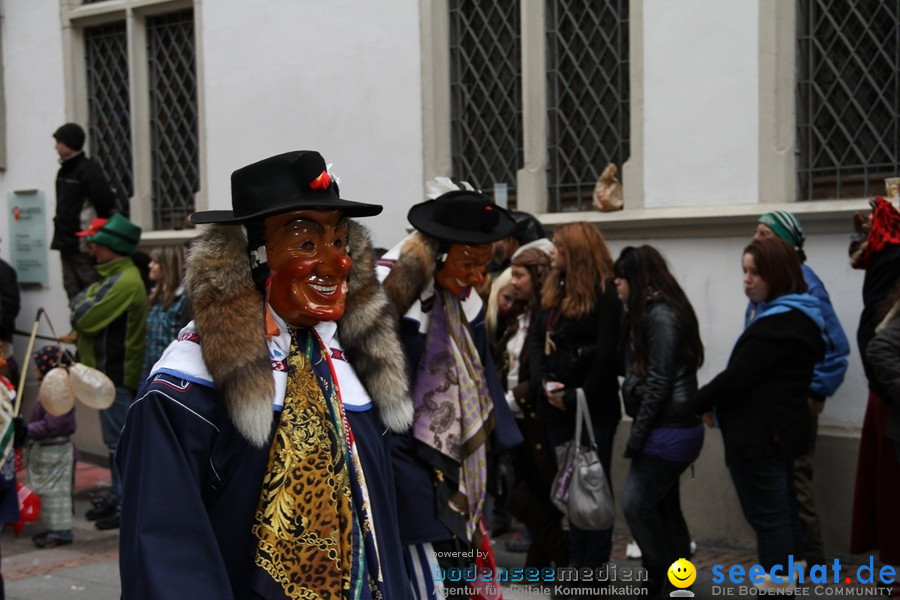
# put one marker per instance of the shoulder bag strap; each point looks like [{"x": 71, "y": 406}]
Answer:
[{"x": 583, "y": 415}]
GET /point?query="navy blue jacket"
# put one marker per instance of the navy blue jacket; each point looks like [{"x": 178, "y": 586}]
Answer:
[{"x": 195, "y": 540}]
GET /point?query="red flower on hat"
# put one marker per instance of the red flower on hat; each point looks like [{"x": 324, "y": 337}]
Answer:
[
  {"x": 321, "y": 182},
  {"x": 93, "y": 228}
]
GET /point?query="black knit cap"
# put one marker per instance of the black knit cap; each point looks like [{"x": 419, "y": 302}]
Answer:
[{"x": 70, "y": 134}]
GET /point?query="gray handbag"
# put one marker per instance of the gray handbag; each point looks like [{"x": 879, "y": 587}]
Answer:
[{"x": 580, "y": 489}]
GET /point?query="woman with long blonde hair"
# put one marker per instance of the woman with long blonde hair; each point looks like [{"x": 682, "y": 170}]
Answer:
[{"x": 574, "y": 344}]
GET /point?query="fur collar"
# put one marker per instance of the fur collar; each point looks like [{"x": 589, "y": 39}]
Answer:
[
  {"x": 412, "y": 271},
  {"x": 228, "y": 315}
]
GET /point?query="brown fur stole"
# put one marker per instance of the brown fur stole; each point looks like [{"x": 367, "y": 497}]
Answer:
[
  {"x": 412, "y": 271},
  {"x": 228, "y": 314}
]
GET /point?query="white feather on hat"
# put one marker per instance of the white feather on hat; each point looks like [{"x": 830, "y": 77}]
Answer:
[{"x": 437, "y": 187}]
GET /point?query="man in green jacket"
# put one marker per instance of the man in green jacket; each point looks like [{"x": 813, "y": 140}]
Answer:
[{"x": 110, "y": 317}]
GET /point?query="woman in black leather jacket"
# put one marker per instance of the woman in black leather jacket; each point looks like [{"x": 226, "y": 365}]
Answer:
[
  {"x": 573, "y": 344},
  {"x": 661, "y": 356}
]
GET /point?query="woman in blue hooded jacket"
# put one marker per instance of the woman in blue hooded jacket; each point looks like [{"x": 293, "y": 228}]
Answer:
[
  {"x": 760, "y": 398},
  {"x": 828, "y": 374}
]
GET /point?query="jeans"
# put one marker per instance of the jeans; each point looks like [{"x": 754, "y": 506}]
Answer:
[
  {"x": 591, "y": 548},
  {"x": 79, "y": 271},
  {"x": 765, "y": 488},
  {"x": 112, "y": 420},
  {"x": 813, "y": 547},
  {"x": 652, "y": 506}
]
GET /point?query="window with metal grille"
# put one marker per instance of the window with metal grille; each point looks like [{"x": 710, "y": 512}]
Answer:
[
  {"x": 109, "y": 119},
  {"x": 848, "y": 97},
  {"x": 587, "y": 96},
  {"x": 173, "y": 118},
  {"x": 486, "y": 97}
]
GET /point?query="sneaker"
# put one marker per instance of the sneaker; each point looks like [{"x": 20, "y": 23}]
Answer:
[
  {"x": 110, "y": 522},
  {"x": 101, "y": 511},
  {"x": 51, "y": 539},
  {"x": 632, "y": 550}
]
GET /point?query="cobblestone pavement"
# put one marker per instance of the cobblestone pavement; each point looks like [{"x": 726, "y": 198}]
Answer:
[{"x": 88, "y": 568}]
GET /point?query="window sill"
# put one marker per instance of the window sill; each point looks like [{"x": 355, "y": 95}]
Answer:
[
  {"x": 150, "y": 239},
  {"x": 816, "y": 216}
]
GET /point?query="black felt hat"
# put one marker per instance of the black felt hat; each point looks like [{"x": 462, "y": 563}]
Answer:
[
  {"x": 462, "y": 217},
  {"x": 291, "y": 181}
]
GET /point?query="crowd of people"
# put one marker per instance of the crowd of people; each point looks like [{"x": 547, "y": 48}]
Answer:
[
  {"x": 107, "y": 281},
  {"x": 342, "y": 425},
  {"x": 629, "y": 320}
]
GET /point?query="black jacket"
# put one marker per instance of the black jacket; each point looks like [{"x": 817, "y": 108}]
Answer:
[
  {"x": 761, "y": 396},
  {"x": 583, "y": 356},
  {"x": 882, "y": 275},
  {"x": 10, "y": 301},
  {"x": 883, "y": 357},
  {"x": 79, "y": 179},
  {"x": 664, "y": 396}
]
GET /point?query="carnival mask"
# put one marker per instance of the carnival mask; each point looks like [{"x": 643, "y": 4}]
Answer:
[
  {"x": 464, "y": 267},
  {"x": 307, "y": 254}
]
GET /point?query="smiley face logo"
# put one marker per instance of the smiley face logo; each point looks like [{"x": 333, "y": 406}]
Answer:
[{"x": 682, "y": 573}]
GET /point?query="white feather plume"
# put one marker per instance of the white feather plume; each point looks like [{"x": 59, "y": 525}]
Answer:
[{"x": 441, "y": 185}]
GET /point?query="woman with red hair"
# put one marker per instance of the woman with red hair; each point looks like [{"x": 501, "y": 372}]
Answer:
[{"x": 574, "y": 344}]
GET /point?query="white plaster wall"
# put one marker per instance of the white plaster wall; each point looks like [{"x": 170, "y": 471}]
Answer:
[
  {"x": 342, "y": 77},
  {"x": 35, "y": 107},
  {"x": 709, "y": 270},
  {"x": 701, "y": 123}
]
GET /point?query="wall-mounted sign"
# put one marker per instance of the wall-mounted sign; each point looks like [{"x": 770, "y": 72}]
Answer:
[{"x": 28, "y": 236}]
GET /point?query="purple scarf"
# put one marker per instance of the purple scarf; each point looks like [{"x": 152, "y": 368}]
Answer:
[{"x": 453, "y": 409}]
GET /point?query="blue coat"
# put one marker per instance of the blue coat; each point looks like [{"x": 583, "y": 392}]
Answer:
[
  {"x": 829, "y": 372},
  {"x": 195, "y": 541}
]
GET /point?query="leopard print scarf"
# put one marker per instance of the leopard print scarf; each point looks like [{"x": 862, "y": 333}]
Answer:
[{"x": 311, "y": 528}]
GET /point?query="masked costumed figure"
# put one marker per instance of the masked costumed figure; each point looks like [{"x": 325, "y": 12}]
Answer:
[
  {"x": 876, "y": 522},
  {"x": 460, "y": 411},
  {"x": 255, "y": 460}
]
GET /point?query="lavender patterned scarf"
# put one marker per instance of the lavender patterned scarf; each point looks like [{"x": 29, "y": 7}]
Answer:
[{"x": 453, "y": 409}]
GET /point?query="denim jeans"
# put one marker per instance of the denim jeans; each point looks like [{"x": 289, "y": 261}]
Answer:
[
  {"x": 765, "y": 488},
  {"x": 592, "y": 548},
  {"x": 112, "y": 420},
  {"x": 652, "y": 506}
]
